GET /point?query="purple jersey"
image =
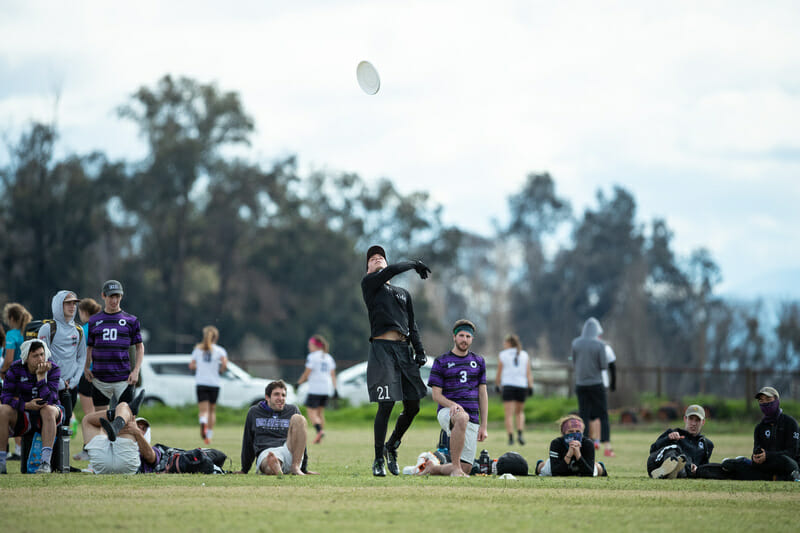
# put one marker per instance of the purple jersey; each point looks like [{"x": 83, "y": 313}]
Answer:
[
  {"x": 459, "y": 378},
  {"x": 110, "y": 336},
  {"x": 22, "y": 385}
]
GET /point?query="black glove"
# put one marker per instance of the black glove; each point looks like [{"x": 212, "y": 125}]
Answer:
[
  {"x": 335, "y": 394},
  {"x": 530, "y": 391},
  {"x": 498, "y": 389},
  {"x": 422, "y": 269},
  {"x": 420, "y": 359}
]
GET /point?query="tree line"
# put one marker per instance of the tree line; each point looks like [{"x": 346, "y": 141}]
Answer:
[{"x": 200, "y": 234}]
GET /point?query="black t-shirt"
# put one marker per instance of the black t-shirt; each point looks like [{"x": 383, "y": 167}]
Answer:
[{"x": 389, "y": 307}]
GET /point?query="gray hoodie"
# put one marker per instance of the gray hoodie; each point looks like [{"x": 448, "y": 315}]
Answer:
[
  {"x": 68, "y": 348},
  {"x": 589, "y": 355}
]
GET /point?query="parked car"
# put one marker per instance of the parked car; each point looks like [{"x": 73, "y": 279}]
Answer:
[
  {"x": 351, "y": 383},
  {"x": 167, "y": 380}
]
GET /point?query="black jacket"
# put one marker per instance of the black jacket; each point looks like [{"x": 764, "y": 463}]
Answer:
[
  {"x": 390, "y": 307},
  {"x": 696, "y": 448},
  {"x": 781, "y": 437},
  {"x": 580, "y": 467}
]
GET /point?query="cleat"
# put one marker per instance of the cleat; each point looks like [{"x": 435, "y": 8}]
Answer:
[
  {"x": 666, "y": 470},
  {"x": 44, "y": 468},
  {"x": 378, "y": 468},
  {"x": 609, "y": 453},
  {"x": 109, "y": 429},
  {"x": 391, "y": 459},
  {"x": 137, "y": 402}
]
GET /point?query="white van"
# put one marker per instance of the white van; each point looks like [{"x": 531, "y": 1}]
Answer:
[{"x": 167, "y": 380}]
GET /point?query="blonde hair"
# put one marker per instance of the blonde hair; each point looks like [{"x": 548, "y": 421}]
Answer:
[
  {"x": 563, "y": 419},
  {"x": 321, "y": 340},
  {"x": 210, "y": 336},
  {"x": 514, "y": 341},
  {"x": 15, "y": 314}
]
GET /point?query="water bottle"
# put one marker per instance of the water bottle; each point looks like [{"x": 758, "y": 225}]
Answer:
[
  {"x": 485, "y": 463},
  {"x": 494, "y": 467},
  {"x": 65, "y": 433}
]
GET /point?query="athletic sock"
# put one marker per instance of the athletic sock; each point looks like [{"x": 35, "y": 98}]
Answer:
[
  {"x": 3, "y": 456},
  {"x": 47, "y": 451},
  {"x": 203, "y": 420},
  {"x": 318, "y": 427},
  {"x": 209, "y": 433}
]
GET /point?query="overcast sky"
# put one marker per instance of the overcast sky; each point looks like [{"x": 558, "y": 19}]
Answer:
[{"x": 691, "y": 106}]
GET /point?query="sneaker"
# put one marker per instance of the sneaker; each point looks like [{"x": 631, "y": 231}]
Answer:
[
  {"x": 605, "y": 471},
  {"x": 391, "y": 460},
  {"x": 520, "y": 439},
  {"x": 609, "y": 453},
  {"x": 666, "y": 470},
  {"x": 137, "y": 402},
  {"x": 538, "y": 462},
  {"x": 83, "y": 455},
  {"x": 44, "y": 468},
  {"x": 379, "y": 467},
  {"x": 14, "y": 457},
  {"x": 681, "y": 461},
  {"x": 109, "y": 429}
]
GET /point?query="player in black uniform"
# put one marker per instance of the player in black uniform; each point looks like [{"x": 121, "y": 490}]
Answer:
[
  {"x": 392, "y": 367},
  {"x": 571, "y": 454},
  {"x": 678, "y": 452},
  {"x": 776, "y": 444}
]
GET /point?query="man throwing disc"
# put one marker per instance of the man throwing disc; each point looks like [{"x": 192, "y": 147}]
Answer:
[{"x": 392, "y": 367}]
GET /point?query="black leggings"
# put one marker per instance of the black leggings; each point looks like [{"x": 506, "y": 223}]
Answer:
[{"x": 410, "y": 410}]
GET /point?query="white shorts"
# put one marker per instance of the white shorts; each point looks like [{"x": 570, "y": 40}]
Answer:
[
  {"x": 282, "y": 453},
  {"x": 118, "y": 457},
  {"x": 470, "y": 439},
  {"x": 108, "y": 389}
]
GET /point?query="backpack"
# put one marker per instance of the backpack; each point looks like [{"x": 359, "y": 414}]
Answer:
[
  {"x": 190, "y": 462},
  {"x": 33, "y": 327},
  {"x": 512, "y": 463}
]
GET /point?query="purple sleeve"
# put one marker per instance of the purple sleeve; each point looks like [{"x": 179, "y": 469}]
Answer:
[
  {"x": 136, "y": 334},
  {"x": 48, "y": 388},
  {"x": 10, "y": 391},
  {"x": 436, "y": 379}
]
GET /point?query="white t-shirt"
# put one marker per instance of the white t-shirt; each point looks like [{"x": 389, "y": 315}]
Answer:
[
  {"x": 610, "y": 357},
  {"x": 319, "y": 380},
  {"x": 208, "y": 363},
  {"x": 515, "y": 374}
]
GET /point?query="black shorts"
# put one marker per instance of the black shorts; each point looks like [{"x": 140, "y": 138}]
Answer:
[
  {"x": 30, "y": 420},
  {"x": 592, "y": 402},
  {"x": 207, "y": 394},
  {"x": 84, "y": 386},
  {"x": 316, "y": 400},
  {"x": 100, "y": 399},
  {"x": 392, "y": 374},
  {"x": 514, "y": 394}
]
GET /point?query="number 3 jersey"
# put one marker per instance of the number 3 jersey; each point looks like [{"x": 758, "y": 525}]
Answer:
[
  {"x": 110, "y": 336},
  {"x": 459, "y": 378}
]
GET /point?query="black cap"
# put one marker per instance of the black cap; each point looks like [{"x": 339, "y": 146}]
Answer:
[
  {"x": 375, "y": 249},
  {"x": 112, "y": 286}
]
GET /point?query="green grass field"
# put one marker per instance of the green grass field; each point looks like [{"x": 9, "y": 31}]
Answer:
[{"x": 346, "y": 496}]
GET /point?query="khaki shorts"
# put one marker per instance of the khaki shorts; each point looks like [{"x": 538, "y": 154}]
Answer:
[
  {"x": 282, "y": 453},
  {"x": 118, "y": 457},
  {"x": 470, "y": 439}
]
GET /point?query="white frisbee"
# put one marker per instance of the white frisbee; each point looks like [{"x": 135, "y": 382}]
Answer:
[{"x": 368, "y": 77}]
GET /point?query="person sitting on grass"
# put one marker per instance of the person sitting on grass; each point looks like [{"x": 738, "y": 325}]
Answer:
[
  {"x": 571, "y": 454},
  {"x": 776, "y": 444},
  {"x": 679, "y": 452},
  {"x": 275, "y": 435}
]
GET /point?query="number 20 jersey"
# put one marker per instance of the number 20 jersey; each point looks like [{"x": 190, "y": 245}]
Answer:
[{"x": 110, "y": 336}]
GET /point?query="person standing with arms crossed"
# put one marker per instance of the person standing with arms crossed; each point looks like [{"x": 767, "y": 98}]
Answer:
[
  {"x": 209, "y": 361},
  {"x": 392, "y": 367},
  {"x": 108, "y": 366},
  {"x": 320, "y": 373}
]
